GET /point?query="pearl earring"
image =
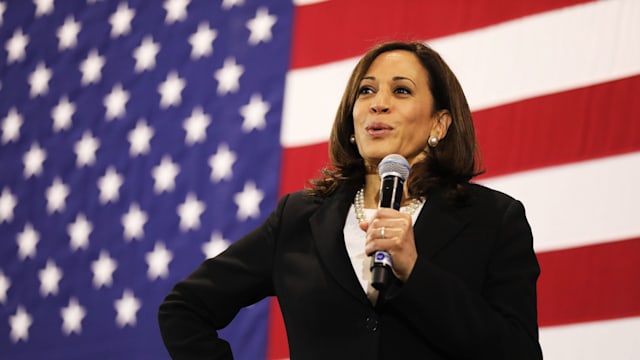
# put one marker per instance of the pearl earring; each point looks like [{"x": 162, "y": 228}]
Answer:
[
  {"x": 433, "y": 141},
  {"x": 352, "y": 139}
]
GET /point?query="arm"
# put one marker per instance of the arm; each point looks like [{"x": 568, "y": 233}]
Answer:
[{"x": 209, "y": 298}]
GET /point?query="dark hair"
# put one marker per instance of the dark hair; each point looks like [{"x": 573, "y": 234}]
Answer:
[{"x": 453, "y": 162}]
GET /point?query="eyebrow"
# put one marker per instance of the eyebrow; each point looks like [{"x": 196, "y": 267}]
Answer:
[{"x": 395, "y": 78}]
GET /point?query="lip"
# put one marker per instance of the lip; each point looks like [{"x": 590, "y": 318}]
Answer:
[{"x": 378, "y": 129}]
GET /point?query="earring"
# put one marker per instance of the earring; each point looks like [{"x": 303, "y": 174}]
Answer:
[
  {"x": 352, "y": 139},
  {"x": 433, "y": 141}
]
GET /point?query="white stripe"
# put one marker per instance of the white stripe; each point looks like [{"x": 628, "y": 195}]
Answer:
[
  {"x": 613, "y": 339},
  {"x": 558, "y": 50},
  {"x": 578, "y": 204}
]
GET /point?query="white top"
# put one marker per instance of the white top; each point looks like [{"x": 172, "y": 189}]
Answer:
[{"x": 354, "y": 239}]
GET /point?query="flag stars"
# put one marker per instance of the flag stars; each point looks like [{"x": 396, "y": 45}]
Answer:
[
  {"x": 5, "y": 284},
  {"x": 140, "y": 138},
  {"x": 86, "y": 149},
  {"x": 79, "y": 232},
  {"x": 16, "y": 46},
  {"x": 20, "y": 322},
  {"x": 145, "y": 54},
  {"x": 39, "y": 80},
  {"x": 228, "y": 76},
  {"x": 189, "y": 212},
  {"x": 260, "y": 26},
  {"x": 176, "y": 10},
  {"x": 91, "y": 68},
  {"x": 68, "y": 33},
  {"x": 215, "y": 245},
  {"x": 56, "y": 196},
  {"x": 171, "y": 90},
  {"x": 49, "y": 279},
  {"x": 221, "y": 163},
  {"x": 133, "y": 222},
  {"x": 196, "y": 126},
  {"x": 33, "y": 160},
  {"x": 228, "y": 4},
  {"x": 115, "y": 102},
  {"x": 248, "y": 201},
  {"x": 11, "y": 125},
  {"x": 3, "y": 8},
  {"x": 43, "y": 7},
  {"x": 121, "y": 20},
  {"x": 27, "y": 241},
  {"x": 127, "y": 307},
  {"x": 62, "y": 114},
  {"x": 165, "y": 175},
  {"x": 8, "y": 202},
  {"x": 103, "y": 269},
  {"x": 202, "y": 41},
  {"x": 158, "y": 262},
  {"x": 109, "y": 185},
  {"x": 72, "y": 316},
  {"x": 254, "y": 114}
]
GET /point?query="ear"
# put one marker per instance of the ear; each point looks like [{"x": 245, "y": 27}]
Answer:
[{"x": 442, "y": 121}]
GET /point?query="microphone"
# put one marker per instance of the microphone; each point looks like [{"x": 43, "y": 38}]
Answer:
[{"x": 394, "y": 170}]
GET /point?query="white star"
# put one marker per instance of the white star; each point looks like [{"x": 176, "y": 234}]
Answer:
[
  {"x": 189, "y": 212},
  {"x": 228, "y": 4},
  {"x": 109, "y": 185},
  {"x": 139, "y": 138},
  {"x": 116, "y": 102},
  {"x": 133, "y": 222},
  {"x": 215, "y": 245},
  {"x": 103, "y": 269},
  {"x": 62, "y": 114},
  {"x": 43, "y": 7},
  {"x": 72, "y": 316},
  {"x": 121, "y": 20},
  {"x": 56, "y": 196},
  {"x": 11, "y": 125},
  {"x": 39, "y": 80},
  {"x": 145, "y": 54},
  {"x": 196, "y": 126},
  {"x": 164, "y": 175},
  {"x": 202, "y": 41},
  {"x": 68, "y": 33},
  {"x": 176, "y": 10},
  {"x": 27, "y": 241},
  {"x": 254, "y": 114},
  {"x": 33, "y": 160},
  {"x": 91, "y": 68},
  {"x": 248, "y": 201},
  {"x": 158, "y": 262},
  {"x": 229, "y": 76},
  {"x": 127, "y": 307},
  {"x": 5, "y": 284},
  {"x": 20, "y": 323},
  {"x": 3, "y": 7},
  {"x": 221, "y": 163},
  {"x": 260, "y": 26},
  {"x": 8, "y": 202},
  {"x": 86, "y": 149},
  {"x": 49, "y": 278},
  {"x": 79, "y": 232},
  {"x": 170, "y": 90},
  {"x": 16, "y": 46}
]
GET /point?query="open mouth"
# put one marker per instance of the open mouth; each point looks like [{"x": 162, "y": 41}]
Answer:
[{"x": 378, "y": 129}]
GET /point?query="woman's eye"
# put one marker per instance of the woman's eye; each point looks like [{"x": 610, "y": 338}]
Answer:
[
  {"x": 365, "y": 90},
  {"x": 403, "y": 90}
]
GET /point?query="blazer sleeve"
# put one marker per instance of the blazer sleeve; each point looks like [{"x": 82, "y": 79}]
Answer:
[
  {"x": 494, "y": 320},
  {"x": 210, "y": 297}
]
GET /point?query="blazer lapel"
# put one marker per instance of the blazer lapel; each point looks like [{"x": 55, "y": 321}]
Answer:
[{"x": 327, "y": 226}]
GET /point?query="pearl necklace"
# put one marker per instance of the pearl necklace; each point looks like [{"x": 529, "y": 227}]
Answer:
[{"x": 358, "y": 205}]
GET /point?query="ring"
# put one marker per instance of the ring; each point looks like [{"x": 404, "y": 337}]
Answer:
[{"x": 382, "y": 232}]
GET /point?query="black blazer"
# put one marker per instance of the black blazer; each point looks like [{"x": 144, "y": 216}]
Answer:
[{"x": 471, "y": 295}]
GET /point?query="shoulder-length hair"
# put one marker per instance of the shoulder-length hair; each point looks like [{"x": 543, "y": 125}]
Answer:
[{"x": 452, "y": 163}]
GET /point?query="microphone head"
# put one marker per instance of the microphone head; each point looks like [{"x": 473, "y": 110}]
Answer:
[{"x": 394, "y": 164}]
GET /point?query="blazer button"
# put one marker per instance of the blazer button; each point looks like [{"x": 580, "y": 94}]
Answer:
[{"x": 371, "y": 323}]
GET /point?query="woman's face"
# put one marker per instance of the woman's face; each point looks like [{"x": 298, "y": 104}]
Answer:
[{"x": 393, "y": 111}]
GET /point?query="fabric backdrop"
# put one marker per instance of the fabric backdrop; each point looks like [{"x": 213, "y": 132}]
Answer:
[{"x": 139, "y": 137}]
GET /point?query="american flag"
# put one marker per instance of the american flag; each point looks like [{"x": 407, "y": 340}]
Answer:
[{"x": 138, "y": 138}]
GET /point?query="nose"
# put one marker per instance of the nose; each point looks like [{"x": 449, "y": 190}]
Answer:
[{"x": 380, "y": 103}]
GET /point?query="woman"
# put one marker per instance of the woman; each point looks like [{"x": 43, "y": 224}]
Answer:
[{"x": 464, "y": 284}]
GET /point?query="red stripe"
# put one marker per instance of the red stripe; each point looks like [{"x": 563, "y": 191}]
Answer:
[
  {"x": 589, "y": 283},
  {"x": 336, "y": 30}
]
